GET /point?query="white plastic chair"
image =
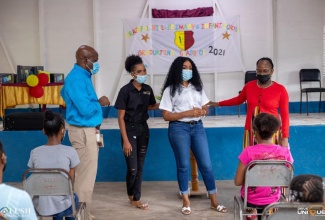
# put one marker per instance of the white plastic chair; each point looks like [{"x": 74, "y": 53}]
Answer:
[
  {"x": 263, "y": 173},
  {"x": 52, "y": 182}
]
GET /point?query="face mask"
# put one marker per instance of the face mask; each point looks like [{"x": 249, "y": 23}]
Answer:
[
  {"x": 63, "y": 136},
  {"x": 263, "y": 78},
  {"x": 186, "y": 74},
  {"x": 95, "y": 68},
  {"x": 141, "y": 79}
]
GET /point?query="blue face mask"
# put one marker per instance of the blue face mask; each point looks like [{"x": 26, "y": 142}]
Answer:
[
  {"x": 95, "y": 68},
  {"x": 186, "y": 74},
  {"x": 141, "y": 79}
]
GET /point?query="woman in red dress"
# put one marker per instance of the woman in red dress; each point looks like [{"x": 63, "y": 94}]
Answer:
[{"x": 263, "y": 95}]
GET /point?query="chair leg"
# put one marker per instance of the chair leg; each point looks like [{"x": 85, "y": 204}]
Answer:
[
  {"x": 307, "y": 102},
  {"x": 300, "y": 101},
  {"x": 320, "y": 100}
]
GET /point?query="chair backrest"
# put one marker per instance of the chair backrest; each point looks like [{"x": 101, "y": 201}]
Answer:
[
  {"x": 250, "y": 76},
  {"x": 310, "y": 75},
  {"x": 267, "y": 173},
  {"x": 294, "y": 211},
  {"x": 48, "y": 182}
]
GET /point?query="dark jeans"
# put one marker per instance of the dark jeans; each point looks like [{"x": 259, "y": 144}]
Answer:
[
  {"x": 259, "y": 208},
  {"x": 138, "y": 135},
  {"x": 68, "y": 211}
]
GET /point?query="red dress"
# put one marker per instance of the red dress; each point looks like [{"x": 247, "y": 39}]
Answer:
[{"x": 269, "y": 100}]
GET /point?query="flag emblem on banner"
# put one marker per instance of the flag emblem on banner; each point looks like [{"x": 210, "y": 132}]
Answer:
[{"x": 184, "y": 39}]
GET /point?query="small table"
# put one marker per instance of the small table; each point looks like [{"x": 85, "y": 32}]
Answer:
[{"x": 18, "y": 94}]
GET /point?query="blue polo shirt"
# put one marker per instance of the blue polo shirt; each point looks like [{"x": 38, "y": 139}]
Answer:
[{"x": 83, "y": 108}]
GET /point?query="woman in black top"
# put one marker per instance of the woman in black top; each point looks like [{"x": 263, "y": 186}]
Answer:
[{"x": 133, "y": 102}]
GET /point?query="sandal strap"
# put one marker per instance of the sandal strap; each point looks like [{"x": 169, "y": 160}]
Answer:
[
  {"x": 186, "y": 209},
  {"x": 221, "y": 208}
]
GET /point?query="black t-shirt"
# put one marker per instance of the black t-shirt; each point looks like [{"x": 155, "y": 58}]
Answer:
[{"x": 134, "y": 102}]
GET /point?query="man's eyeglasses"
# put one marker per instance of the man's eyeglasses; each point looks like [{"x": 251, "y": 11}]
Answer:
[{"x": 265, "y": 71}]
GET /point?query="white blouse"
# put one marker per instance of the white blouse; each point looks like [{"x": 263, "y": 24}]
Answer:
[{"x": 187, "y": 99}]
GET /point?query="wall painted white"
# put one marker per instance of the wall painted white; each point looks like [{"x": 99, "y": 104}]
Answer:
[{"x": 40, "y": 32}]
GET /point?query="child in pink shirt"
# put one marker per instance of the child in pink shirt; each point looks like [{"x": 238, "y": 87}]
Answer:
[{"x": 264, "y": 126}]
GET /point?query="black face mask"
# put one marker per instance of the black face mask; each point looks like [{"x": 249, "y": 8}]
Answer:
[{"x": 263, "y": 78}]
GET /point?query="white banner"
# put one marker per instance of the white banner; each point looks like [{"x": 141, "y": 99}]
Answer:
[{"x": 213, "y": 45}]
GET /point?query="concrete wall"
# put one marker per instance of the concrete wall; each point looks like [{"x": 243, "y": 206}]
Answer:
[
  {"x": 225, "y": 145},
  {"x": 40, "y": 32}
]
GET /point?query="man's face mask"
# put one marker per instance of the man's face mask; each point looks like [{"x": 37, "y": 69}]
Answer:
[{"x": 95, "y": 68}]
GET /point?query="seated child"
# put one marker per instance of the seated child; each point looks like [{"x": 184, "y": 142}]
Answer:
[
  {"x": 264, "y": 126},
  {"x": 307, "y": 188},
  {"x": 54, "y": 155}
]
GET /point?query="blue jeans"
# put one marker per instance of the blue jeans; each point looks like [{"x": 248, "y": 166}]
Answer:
[
  {"x": 68, "y": 211},
  {"x": 184, "y": 137}
]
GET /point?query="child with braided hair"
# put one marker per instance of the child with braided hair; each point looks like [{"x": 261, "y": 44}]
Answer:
[{"x": 307, "y": 188}]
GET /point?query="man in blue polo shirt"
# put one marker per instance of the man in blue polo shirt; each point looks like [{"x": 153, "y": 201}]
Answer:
[{"x": 84, "y": 116}]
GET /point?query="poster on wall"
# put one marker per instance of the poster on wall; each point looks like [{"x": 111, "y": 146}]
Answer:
[{"x": 213, "y": 44}]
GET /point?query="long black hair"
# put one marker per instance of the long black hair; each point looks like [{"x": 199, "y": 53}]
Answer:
[
  {"x": 174, "y": 76},
  {"x": 53, "y": 123}
]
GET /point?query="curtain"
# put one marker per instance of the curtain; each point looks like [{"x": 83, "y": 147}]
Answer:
[{"x": 198, "y": 12}]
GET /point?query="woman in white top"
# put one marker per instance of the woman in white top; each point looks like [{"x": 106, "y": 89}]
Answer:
[{"x": 183, "y": 104}]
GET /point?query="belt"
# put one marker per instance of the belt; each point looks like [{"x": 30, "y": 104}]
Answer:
[{"x": 190, "y": 122}]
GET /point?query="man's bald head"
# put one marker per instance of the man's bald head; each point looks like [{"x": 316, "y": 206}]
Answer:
[{"x": 84, "y": 54}]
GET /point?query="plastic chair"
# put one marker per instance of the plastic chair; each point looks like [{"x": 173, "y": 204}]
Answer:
[
  {"x": 249, "y": 76},
  {"x": 310, "y": 75},
  {"x": 294, "y": 211},
  {"x": 52, "y": 182},
  {"x": 268, "y": 173}
]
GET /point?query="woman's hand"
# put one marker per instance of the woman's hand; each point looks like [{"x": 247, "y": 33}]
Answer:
[
  {"x": 127, "y": 148},
  {"x": 284, "y": 142},
  {"x": 213, "y": 104},
  {"x": 196, "y": 112}
]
